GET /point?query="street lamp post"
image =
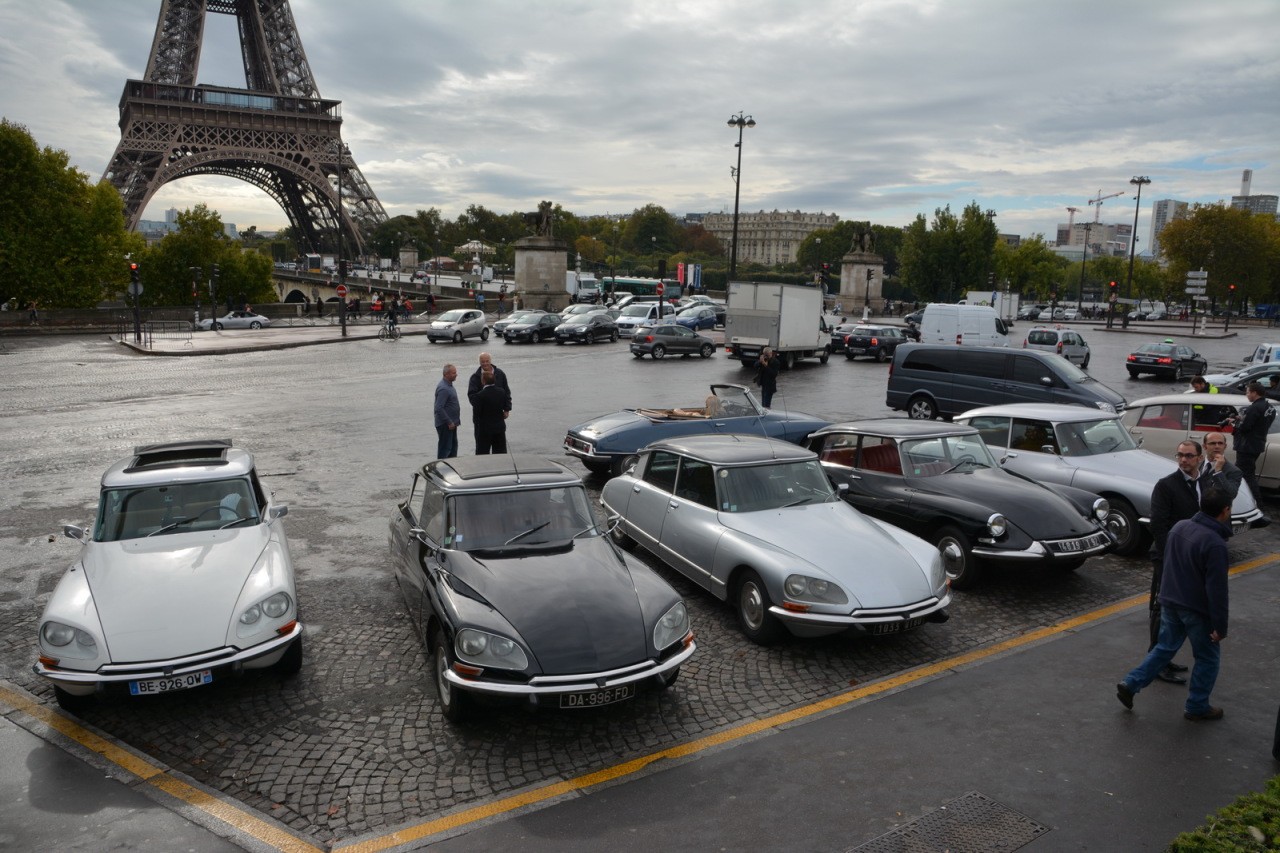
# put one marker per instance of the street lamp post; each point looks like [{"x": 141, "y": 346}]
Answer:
[
  {"x": 1137, "y": 180},
  {"x": 613, "y": 260},
  {"x": 342, "y": 266},
  {"x": 653, "y": 244},
  {"x": 1084, "y": 257},
  {"x": 741, "y": 122}
]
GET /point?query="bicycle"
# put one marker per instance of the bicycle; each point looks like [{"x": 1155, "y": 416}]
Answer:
[{"x": 390, "y": 331}]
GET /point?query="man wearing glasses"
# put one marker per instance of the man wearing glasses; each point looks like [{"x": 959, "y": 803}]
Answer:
[
  {"x": 1224, "y": 475},
  {"x": 1176, "y": 497}
]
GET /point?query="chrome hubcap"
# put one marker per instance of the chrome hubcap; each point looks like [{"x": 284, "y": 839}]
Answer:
[{"x": 752, "y": 606}]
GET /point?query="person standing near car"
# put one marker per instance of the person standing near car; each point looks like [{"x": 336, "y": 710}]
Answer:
[
  {"x": 1223, "y": 475},
  {"x": 448, "y": 414},
  {"x": 1175, "y": 498},
  {"x": 476, "y": 383},
  {"x": 1250, "y": 437},
  {"x": 491, "y": 407},
  {"x": 767, "y": 376}
]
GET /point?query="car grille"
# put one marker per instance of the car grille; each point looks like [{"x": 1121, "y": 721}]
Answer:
[
  {"x": 1078, "y": 545},
  {"x": 211, "y": 658}
]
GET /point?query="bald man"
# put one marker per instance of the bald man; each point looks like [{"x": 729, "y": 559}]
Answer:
[{"x": 476, "y": 383}]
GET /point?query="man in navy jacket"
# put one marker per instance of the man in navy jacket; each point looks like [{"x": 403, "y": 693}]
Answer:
[{"x": 1193, "y": 605}]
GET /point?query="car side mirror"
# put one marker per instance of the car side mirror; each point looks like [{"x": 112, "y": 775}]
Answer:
[
  {"x": 279, "y": 511},
  {"x": 1046, "y": 381},
  {"x": 71, "y": 531},
  {"x": 841, "y": 488}
]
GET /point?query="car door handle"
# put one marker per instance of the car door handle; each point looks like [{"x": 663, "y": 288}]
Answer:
[
  {"x": 673, "y": 504},
  {"x": 720, "y": 423},
  {"x": 1011, "y": 455},
  {"x": 635, "y": 489}
]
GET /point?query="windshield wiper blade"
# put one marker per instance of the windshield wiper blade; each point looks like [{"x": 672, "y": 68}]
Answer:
[
  {"x": 533, "y": 529},
  {"x": 234, "y": 521},
  {"x": 168, "y": 526}
]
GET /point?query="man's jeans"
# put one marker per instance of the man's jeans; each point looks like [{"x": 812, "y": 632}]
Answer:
[
  {"x": 1178, "y": 624},
  {"x": 447, "y": 443}
]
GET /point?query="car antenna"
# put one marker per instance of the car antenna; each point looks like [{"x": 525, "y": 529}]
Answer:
[{"x": 515, "y": 467}]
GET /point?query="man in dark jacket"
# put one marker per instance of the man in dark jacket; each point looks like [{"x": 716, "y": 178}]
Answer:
[
  {"x": 1174, "y": 498},
  {"x": 475, "y": 383},
  {"x": 1250, "y": 435},
  {"x": 491, "y": 407},
  {"x": 767, "y": 376},
  {"x": 1193, "y": 595}
]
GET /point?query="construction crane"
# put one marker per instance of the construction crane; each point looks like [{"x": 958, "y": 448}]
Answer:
[
  {"x": 1071, "y": 219},
  {"x": 1098, "y": 200}
]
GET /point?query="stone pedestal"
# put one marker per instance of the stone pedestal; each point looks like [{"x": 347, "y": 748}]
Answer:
[
  {"x": 541, "y": 264},
  {"x": 856, "y": 292}
]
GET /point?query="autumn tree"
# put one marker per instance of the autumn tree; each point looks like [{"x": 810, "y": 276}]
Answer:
[
  {"x": 183, "y": 261},
  {"x": 1234, "y": 245}
]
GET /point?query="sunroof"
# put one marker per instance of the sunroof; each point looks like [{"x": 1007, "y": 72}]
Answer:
[
  {"x": 203, "y": 452},
  {"x": 475, "y": 467}
]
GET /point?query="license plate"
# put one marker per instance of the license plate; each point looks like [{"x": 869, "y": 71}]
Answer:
[
  {"x": 895, "y": 627},
  {"x": 596, "y": 698},
  {"x": 165, "y": 685},
  {"x": 858, "y": 350}
]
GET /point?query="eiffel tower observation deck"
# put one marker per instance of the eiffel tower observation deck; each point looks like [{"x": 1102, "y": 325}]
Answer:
[{"x": 277, "y": 134}]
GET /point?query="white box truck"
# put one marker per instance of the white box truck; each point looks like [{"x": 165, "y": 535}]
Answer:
[
  {"x": 1006, "y": 304},
  {"x": 786, "y": 317}
]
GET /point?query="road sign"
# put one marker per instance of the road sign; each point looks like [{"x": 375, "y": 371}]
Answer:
[
  {"x": 1197, "y": 274},
  {"x": 341, "y": 290},
  {"x": 1195, "y": 290},
  {"x": 659, "y": 288},
  {"x": 135, "y": 288}
]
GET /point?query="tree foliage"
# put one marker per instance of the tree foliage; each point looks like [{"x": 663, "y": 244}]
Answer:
[
  {"x": 187, "y": 256},
  {"x": 951, "y": 255},
  {"x": 1233, "y": 245},
  {"x": 63, "y": 239}
]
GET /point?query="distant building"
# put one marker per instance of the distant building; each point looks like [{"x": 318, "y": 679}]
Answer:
[
  {"x": 1105, "y": 238},
  {"x": 768, "y": 238},
  {"x": 1013, "y": 241},
  {"x": 1264, "y": 204},
  {"x": 1163, "y": 212}
]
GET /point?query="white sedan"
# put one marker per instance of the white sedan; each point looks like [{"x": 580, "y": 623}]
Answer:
[
  {"x": 185, "y": 578},
  {"x": 235, "y": 320}
]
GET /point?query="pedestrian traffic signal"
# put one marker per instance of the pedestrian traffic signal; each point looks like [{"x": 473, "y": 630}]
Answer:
[
  {"x": 1232, "y": 288},
  {"x": 217, "y": 271},
  {"x": 133, "y": 273}
]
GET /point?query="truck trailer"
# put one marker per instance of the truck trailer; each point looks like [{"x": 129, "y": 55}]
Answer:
[{"x": 786, "y": 317}]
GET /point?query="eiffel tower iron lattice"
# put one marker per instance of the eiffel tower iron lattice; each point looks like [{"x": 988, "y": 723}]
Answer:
[{"x": 277, "y": 134}]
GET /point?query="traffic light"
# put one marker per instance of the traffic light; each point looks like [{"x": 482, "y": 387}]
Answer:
[
  {"x": 1232, "y": 288},
  {"x": 133, "y": 274},
  {"x": 870, "y": 274},
  {"x": 217, "y": 271},
  {"x": 991, "y": 279},
  {"x": 1113, "y": 287},
  {"x": 342, "y": 268}
]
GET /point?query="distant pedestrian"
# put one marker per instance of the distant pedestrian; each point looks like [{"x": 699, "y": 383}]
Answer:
[
  {"x": 448, "y": 414},
  {"x": 431, "y": 304},
  {"x": 319, "y": 307},
  {"x": 767, "y": 376},
  {"x": 33, "y": 313},
  {"x": 492, "y": 405},
  {"x": 479, "y": 298},
  {"x": 1193, "y": 598}
]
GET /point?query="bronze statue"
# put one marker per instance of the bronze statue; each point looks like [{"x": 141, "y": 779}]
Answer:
[{"x": 542, "y": 220}]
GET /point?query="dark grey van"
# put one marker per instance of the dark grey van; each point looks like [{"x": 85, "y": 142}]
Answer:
[{"x": 944, "y": 380}]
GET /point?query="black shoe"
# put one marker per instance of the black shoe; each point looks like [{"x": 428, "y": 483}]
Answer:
[
  {"x": 1211, "y": 714},
  {"x": 1175, "y": 667},
  {"x": 1171, "y": 677},
  {"x": 1125, "y": 695}
]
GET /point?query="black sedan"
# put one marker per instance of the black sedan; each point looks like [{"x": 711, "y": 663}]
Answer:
[
  {"x": 587, "y": 329},
  {"x": 533, "y": 328},
  {"x": 657, "y": 341},
  {"x": 838, "y": 334},
  {"x": 1167, "y": 359},
  {"x": 878, "y": 342},
  {"x": 939, "y": 481},
  {"x": 519, "y": 595}
]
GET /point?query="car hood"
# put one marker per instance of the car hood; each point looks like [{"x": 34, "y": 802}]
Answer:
[
  {"x": 607, "y": 424},
  {"x": 576, "y": 609},
  {"x": 1142, "y": 465},
  {"x": 1036, "y": 510},
  {"x": 170, "y": 595},
  {"x": 869, "y": 564}
]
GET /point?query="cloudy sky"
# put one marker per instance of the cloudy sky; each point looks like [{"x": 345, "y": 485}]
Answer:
[{"x": 872, "y": 109}]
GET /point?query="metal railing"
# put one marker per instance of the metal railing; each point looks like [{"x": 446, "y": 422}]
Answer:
[{"x": 153, "y": 330}]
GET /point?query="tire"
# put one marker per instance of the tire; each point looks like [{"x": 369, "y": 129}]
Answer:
[
  {"x": 622, "y": 463},
  {"x": 457, "y": 337},
  {"x": 1122, "y": 521},
  {"x": 706, "y": 350},
  {"x": 638, "y": 354},
  {"x": 589, "y": 338},
  {"x": 217, "y": 327},
  {"x": 958, "y": 561},
  {"x": 1133, "y": 374},
  {"x": 255, "y": 325},
  {"x": 430, "y": 339},
  {"x": 1084, "y": 365},
  {"x": 751, "y": 604},
  {"x": 383, "y": 334},
  {"x": 659, "y": 351},
  {"x": 788, "y": 361},
  {"x": 597, "y": 466},
  {"x": 536, "y": 337},
  {"x": 290, "y": 663},
  {"x": 826, "y": 355},
  {"x": 621, "y": 538},
  {"x": 613, "y": 336},
  {"x": 880, "y": 355},
  {"x": 850, "y": 356},
  {"x": 484, "y": 333},
  {"x": 70, "y": 702},
  {"x": 454, "y": 704},
  {"x": 921, "y": 408},
  {"x": 559, "y": 342}
]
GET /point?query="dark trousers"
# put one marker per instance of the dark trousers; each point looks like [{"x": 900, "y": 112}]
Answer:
[
  {"x": 1248, "y": 464},
  {"x": 490, "y": 442},
  {"x": 767, "y": 390},
  {"x": 446, "y": 443}
]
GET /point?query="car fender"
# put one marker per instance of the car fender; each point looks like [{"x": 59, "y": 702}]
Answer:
[
  {"x": 737, "y": 550},
  {"x": 71, "y": 603},
  {"x": 935, "y": 510}
]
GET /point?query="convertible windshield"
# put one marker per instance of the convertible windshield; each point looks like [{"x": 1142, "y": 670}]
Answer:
[
  {"x": 929, "y": 457},
  {"x": 523, "y": 517},
  {"x": 733, "y": 401},
  {"x": 1093, "y": 438},
  {"x": 773, "y": 486},
  {"x": 174, "y": 508}
]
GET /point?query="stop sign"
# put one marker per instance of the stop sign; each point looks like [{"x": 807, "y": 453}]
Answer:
[
  {"x": 659, "y": 288},
  {"x": 341, "y": 290}
]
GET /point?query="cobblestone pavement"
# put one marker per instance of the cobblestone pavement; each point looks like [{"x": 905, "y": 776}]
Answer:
[{"x": 356, "y": 744}]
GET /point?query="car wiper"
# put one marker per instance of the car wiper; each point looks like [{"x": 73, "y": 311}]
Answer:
[
  {"x": 586, "y": 529},
  {"x": 169, "y": 526},
  {"x": 533, "y": 529},
  {"x": 234, "y": 521},
  {"x": 797, "y": 503},
  {"x": 962, "y": 462}
]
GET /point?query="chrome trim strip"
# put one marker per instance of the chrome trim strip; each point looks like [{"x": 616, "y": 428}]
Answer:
[
  {"x": 854, "y": 618},
  {"x": 578, "y": 683}
]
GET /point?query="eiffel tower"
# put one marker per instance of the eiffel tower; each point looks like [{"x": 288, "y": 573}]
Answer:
[{"x": 277, "y": 134}]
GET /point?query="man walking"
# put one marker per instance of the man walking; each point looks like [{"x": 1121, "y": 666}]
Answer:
[
  {"x": 448, "y": 413},
  {"x": 1193, "y": 595},
  {"x": 476, "y": 382},
  {"x": 1175, "y": 497}
]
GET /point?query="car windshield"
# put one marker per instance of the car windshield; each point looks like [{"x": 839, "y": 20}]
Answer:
[
  {"x": 929, "y": 457},
  {"x": 692, "y": 311},
  {"x": 1156, "y": 349},
  {"x": 1093, "y": 438},
  {"x": 520, "y": 517},
  {"x": 1068, "y": 370},
  {"x": 732, "y": 402},
  {"x": 639, "y": 310},
  {"x": 132, "y": 513},
  {"x": 517, "y": 316},
  {"x": 452, "y": 316},
  {"x": 773, "y": 486}
]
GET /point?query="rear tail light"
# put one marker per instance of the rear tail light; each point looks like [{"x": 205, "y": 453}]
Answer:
[
  {"x": 1059, "y": 348},
  {"x": 1166, "y": 360},
  {"x": 874, "y": 342},
  {"x": 648, "y": 339}
]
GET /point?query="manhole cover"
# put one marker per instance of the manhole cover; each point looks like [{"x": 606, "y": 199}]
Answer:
[{"x": 974, "y": 823}]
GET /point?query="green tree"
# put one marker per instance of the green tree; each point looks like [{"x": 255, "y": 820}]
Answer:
[
  {"x": 1233, "y": 245},
  {"x": 1032, "y": 269},
  {"x": 64, "y": 242},
  {"x": 950, "y": 256},
  {"x": 184, "y": 261}
]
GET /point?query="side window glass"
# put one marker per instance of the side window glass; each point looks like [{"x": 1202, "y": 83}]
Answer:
[
  {"x": 1170, "y": 416},
  {"x": 994, "y": 430},
  {"x": 1029, "y": 370},
  {"x": 661, "y": 470},
  {"x": 1032, "y": 436},
  {"x": 880, "y": 454},
  {"x": 697, "y": 483},
  {"x": 989, "y": 365},
  {"x": 431, "y": 519},
  {"x": 839, "y": 449}
]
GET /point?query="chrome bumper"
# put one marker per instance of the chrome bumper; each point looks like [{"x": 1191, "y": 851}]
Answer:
[
  {"x": 551, "y": 685},
  {"x": 864, "y": 618},
  {"x": 1038, "y": 551}
]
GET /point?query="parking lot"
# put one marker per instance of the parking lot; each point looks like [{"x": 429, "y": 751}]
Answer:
[{"x": 356, "y": 745}]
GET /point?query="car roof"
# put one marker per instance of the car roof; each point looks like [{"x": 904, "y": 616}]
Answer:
[
  {"x": 179, "y": 462},
  {"x": 1193, "y": 398},
  {"x": 498, "y": 471},
  {"x": 900, "y": 427},
  {"x": 734, "y": 449},
  {"x": 1059, "y": 412}
]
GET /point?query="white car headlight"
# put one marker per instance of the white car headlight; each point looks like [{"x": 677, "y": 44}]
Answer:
[
  {"x": 672, "y": 627},
  {"x": 805, "y": 588},
  {"x": 489, "y": 650},
  {"x": 1106, "y": 407},
  {"x": 997, "y": 524},
  {"x": 1101, "y": 509},
  {"x": 60, "y": 636},
  {"x": 274, "y": 607}
]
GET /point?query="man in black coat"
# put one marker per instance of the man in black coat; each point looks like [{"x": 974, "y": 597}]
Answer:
[
  {"x": 1174, "y": 498},
  {"x": 491, "y": 407},
  {"x": 475, "y": 383},
  {"x": 1250, "y": 435}
]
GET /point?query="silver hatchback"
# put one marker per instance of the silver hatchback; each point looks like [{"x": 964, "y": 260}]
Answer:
[{"x": 1067, "y": 343}]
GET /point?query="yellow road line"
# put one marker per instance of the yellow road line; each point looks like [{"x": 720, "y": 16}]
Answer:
[
  {"x": 419, "y": 831},
  {"x": 251, "y": 824}
]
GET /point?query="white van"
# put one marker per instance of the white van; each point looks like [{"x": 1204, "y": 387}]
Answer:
[
  {"x": 637, "y": 314},
  {"x": 973, "y": 325}
]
